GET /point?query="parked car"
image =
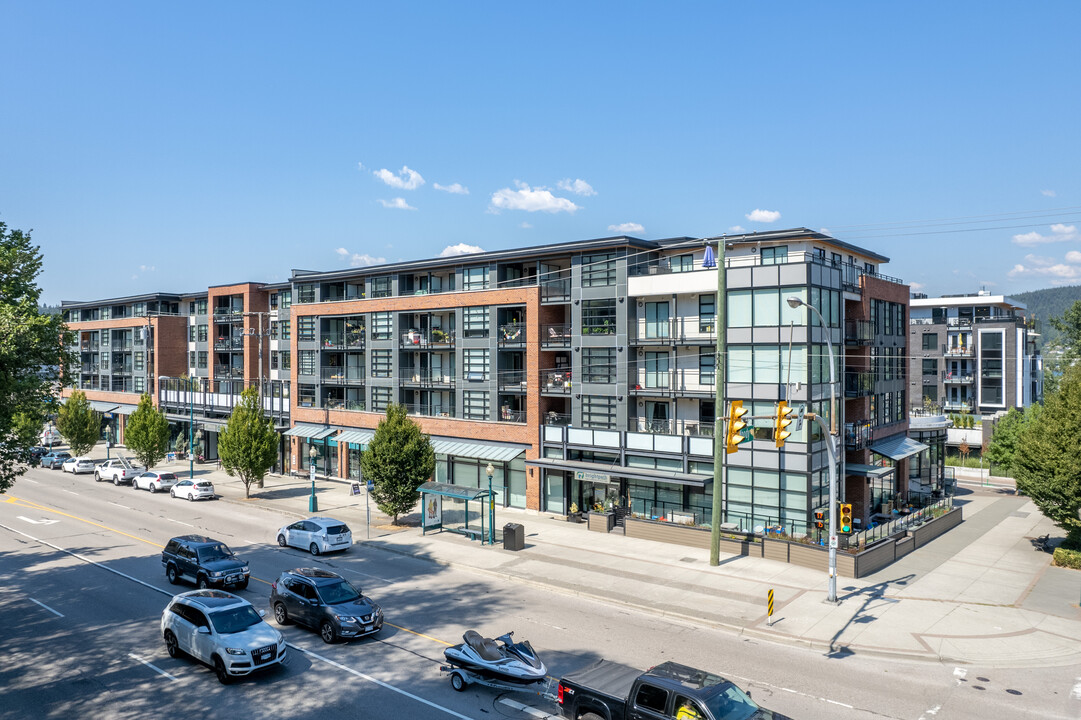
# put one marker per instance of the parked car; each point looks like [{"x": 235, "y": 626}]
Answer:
[
  {"x": 50, "y": 436},
  {"x": 154, "y": 480},
  {"x": 78, "y": 465},
  {"x": 193, "y": 489},
  {"x": 326, "y": 602},
  {"x": 54, "y": 460},
  {"x": 610, "y": 690},
  {"x": 36, "y": 453},
  {"x": 204, "y": 561},
  {"x": 119, "y": 470},
  {"x": 221, "y": 630},
  {"x": 316, "y": 535}
]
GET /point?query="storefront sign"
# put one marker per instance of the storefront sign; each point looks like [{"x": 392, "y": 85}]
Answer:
[{"x": 587, "y": 476}]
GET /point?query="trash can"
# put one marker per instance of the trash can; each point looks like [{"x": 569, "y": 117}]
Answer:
[{"x": 513, "y": 536}]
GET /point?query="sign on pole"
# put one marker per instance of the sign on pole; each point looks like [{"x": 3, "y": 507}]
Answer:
[{"x": 769, "y": 607}]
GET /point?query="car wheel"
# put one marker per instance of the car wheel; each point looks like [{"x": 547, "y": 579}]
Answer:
[
  {"x": 172, "y": 494},
  {"x": 327, "y": 632},
  {"x": 281, "y": 615},
  {"x": 97, "y": 477},
  {"x": 116, "y": 480},
  {"x": 191, "y": 497},
  {"x": 220, "y": 671},
  {"x": 203, "y": 583},
  {"x": 152, "y": 489},
  {"x": 458, "y": 682},
  {"x": 591, "y": 716},
  {"x": 134, "y": 485},
  {"x": 314, "y": 549},
  {"x": 281, "y": 540},
  {"x": 171, "y": 645},
  {"x": 242, "y": 585},
  {"x": 170, "y": 574}
]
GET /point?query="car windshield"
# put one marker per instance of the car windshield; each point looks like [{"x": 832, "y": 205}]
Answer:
[
  {"x": 337, "y": 529},
  {"x": 730, "y": 703},
  {"x": 339, "y": 592},
  {"x": 167, "y": 476},
  {"x": 214, "y": 552},
  {"x": 235, "y": 619},
  {"x": 203, "y": 485}
]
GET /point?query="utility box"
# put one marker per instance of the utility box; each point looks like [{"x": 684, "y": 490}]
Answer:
[{"x": 513, "y": 536}]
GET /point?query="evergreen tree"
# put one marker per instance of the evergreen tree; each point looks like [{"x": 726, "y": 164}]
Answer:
[
  {"x": 1069, "y": 343},
  {"x": 1004, "y": 446},
  {"x": 248, "y": 445},
  {"x": 147, "y": 433},
  {"x": 33, "y": 358},
  {"x": 398, "y": 461},
  {"x": 1047, "y": 464},
  {"x": 79, "y": 425}
]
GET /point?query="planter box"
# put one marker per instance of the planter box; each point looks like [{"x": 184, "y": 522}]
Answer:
[
  {"x": 676, "y": 534},
  {"x": 929, "y": 531},
  {"x": 602, "y": 521}
]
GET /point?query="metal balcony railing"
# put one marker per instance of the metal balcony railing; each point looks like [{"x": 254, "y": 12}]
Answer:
[
  {"x": 556, "y": 290},
  {"x": 337, "y": 375},
  {"x": 426, "y": 378},
  {"x": 556, "y": 381},
  {"x": 554, "y": 418},
  {"x": 430, "y": 410},
  {"x": 672, "y": 427},
  {"x": 512, "y": 334},
  {"x": 555, "y": 335},
  {"x": 857, "y": 435},
  {"x": 229, "y": 343},
  {"x": 514, "y": 380},
  {"x": 340, "y": 404},
  {"x": 224, "y": 371},
  {"x": 427, "y": 339},
  {"x": 957, "y": 378},
  {"x": 859, "y": 384},
  {"x": 514, "y": 416},
  {"x": 859, "y": 332},
  {"x": 672, "y": 383}
]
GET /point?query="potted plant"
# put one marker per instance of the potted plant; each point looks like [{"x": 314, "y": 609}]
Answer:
[{"x": 575, "y": 515}]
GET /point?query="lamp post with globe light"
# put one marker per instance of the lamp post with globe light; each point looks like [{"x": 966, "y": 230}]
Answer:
[
  {"x": 313, "y": 455},
  {"x": 490, "y": 470}
]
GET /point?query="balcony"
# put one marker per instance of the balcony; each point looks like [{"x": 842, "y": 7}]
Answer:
[
  {"x": 426, "y": 378},
  {"x": 427, "y": 340},
  {"x": 598, "y": 328},
  {"x": 512, "y": 380},
  {"x": 227, "y": 344},
  {"x": 223, "y": 371},
  {"x": 962, "y": 405},
  {"x": 558, "y": 382},
  {"x": 556, "y": 291},
  {"x": 88, "y": 347},
  {"x": 683, "y": 330},
  {"x": 228, "y": 314},
  {"x": 699, "y": 428},
  {"x": 957, "y": 379},
  {"x": 556, "y": 335},
  {"x": 338, "y": 404},
  {"x": 554, "y": 418},
  {"x": 512, "y": 416},
  {"x": 859, "y": 384},
  {"x": 859, "y": 332},
  {"x": 512, "y": 335},
  {"x": 430, "y": 410},
  {"x": 959, "y": 351},
  {"x": 674, "y": 383},
  {"x": 857, "y": 435},
  {"x": 337, "y": 375}
]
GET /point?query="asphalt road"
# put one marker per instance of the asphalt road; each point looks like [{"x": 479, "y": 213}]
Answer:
[{"x": 83, "y": 591}]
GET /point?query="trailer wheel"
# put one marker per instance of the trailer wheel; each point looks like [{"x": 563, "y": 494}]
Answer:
[{"x": 458, "y": 682}]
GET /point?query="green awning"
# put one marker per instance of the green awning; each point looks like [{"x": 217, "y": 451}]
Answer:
[
  {"x": 312, "y": 432},
  {"x": 871, "y": 471},
  {"x": 361, "y": 437},
  {"x": 479, "y": 451},
  {"x": 102, "y": 407}
]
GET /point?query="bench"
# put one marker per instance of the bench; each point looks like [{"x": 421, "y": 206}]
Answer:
[{"x": 471, "y": 533}]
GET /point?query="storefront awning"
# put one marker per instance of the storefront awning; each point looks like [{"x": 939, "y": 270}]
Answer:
[
  {"x": 361, "y": 437},
  {"x": 102, "y": 407},
  {"x": 312, "y": 432},
  {"x": 871, "y": 471},
  {"x": 479, "y": 451},
  {"x": 618, "y": 471},
  {"x": 898, "y": 447}
]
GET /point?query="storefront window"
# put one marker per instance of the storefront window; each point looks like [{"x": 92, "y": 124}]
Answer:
[
  {"x": 554, "y": 492},
  {"x": 354, "y": 461}
]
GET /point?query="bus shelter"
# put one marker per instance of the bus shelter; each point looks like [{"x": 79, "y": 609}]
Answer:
[{"x": 435, "y": 517}]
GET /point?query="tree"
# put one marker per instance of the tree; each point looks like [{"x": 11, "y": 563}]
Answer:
[
  {"x": 79, "y": 425},
  {"x": 35, "y": 354},
  {"x": 1069, "y": 343},
  {"x": 248, "y": 445},
  {"x": 147, "y": 433},
  {"x": 398, "y": 461},
  {"x": 1006, "y": 438},
  {"x": 1047, "y": 465}
]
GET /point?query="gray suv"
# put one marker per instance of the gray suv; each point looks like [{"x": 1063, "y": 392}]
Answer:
[
  {"x": 326, "y": 602},
  {"x": 204, "y": 561}
]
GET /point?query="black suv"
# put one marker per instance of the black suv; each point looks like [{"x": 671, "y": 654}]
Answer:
[
  {"x": 326, "y": 602},
  {"x": 204, "y": 561}
]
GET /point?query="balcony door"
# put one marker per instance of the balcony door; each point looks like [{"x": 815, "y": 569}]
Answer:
[{"x": 656, "y": 319}]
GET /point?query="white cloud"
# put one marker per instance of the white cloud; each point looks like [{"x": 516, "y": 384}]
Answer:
[
  {"x": 364, "y": 260},
  {"x": 1058, "y": 273},
  {"x": 578, "y": 187},
  {"x": 360, "y": 166},
  {"x": 628, "y": 227},
  {"x": 529, "y": 199},
  {"x": 406, "y": 179},
  {"x": 147, "y": 268},
  {"x": 134, "y": 277},
  {"x": 737, "y": 229},
  {"x": 1059, "y": 233},
  {"x": 763, "y": 216},
  {"x": 1047, "y": 193},
  {"x": 396, "y": 204},
  {"x": 525, "y": 225},
  {"x": 454, "y": 189},
  {"x": 460, "y": 249},
  {"x": 342, "y": 251},
  {"x": 916, "y": 287},
  {"x": 1073, "y": 257}
]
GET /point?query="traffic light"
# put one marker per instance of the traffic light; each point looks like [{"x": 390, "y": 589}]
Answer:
[
  {"x": 820, "y": 519},
  {"x": 846, "y": 519},
  {"x": 781, "y": 422},
  {"x": 734, "y": 435}
]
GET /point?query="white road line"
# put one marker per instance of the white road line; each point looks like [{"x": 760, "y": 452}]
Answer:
[
  {"x": 38, "y": 602},
  {"x": 119, "y": 505},
  {"x": 931, "y": 713},
  {"x": 1075, "y": 693},
  {"x": 152, "y": 666},
  {"x": 26, "y": 479},
  {"x": 960, "y": 673},
  {"x": 748, "y": 680},
  {"x": 528, "y": 710},
  {"x": 37, "y": 522},
  {"x": 72, "y": 492},
  {"x": 380, "y": 683},
  {"x": 180, "y": 523}
]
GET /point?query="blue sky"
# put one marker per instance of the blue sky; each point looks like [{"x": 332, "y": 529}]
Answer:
[{"x": 157, "y": 146}]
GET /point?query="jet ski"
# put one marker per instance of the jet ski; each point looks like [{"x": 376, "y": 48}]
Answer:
[{"x": 500, "y": 660}]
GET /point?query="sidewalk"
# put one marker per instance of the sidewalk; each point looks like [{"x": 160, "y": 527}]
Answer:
[{"x": 979, "y": 594}]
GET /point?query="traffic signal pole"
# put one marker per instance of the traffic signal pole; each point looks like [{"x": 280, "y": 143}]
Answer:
[{"x": 720, "y": 424}]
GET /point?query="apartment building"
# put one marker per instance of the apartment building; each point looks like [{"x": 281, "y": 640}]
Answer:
[
  {"x": 583, "y": 372},
  {"x": 973, "y": 353}
]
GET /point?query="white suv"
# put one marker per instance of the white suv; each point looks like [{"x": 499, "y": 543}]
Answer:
[
  {"x": 221, "y": 630},
  {"x": 316, "y": 535}
]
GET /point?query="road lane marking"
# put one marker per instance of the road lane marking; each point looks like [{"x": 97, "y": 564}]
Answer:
[
  {"x": 418, "y": 634},
  {"x": 527, "y": 709},
  {"x": 38, "y": 602},
  {"x": 26, "y": 479},
  {"x": 43, "y": 508},
  {"x": 70, "y": 492},
  {"x": 37, "y": 522},
  {"x": 1075, "y": 693},
  {"x": 119, "y": 505},
  {"x": 748, "y": 680},
  {"x": 152, "y": 666},
  {"x": 180, "y": 522}
]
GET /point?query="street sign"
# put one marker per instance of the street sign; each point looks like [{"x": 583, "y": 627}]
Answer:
[{"x": 833, "y": 542}]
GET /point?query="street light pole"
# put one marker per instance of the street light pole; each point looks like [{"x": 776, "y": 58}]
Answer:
[
  {"x": 313, "y": 504},
  {"x": 491, "y": 505},
  {"x": 191, "y": 428},
  {"x": 831, "y": 449}
]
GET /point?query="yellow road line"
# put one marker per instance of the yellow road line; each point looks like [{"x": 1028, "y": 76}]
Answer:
[
  {"x": 426, "y": 637},
  {"x": 31, "y": 504}
]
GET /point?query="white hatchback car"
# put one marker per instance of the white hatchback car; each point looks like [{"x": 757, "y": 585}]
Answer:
[
  {"x": 154, "y": 480},
  {"x": 79, "y": 465},
  {"x": 222, "y": 630},
  {"x": 193, "y": 489},
  {"x": 316, "y": 535}
]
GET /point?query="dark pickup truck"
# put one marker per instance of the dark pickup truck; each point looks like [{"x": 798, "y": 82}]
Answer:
[{"x": 610, "y": 691}]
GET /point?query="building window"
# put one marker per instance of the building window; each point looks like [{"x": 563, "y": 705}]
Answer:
[
  {"x": 306, "y": 395},
  {"x": 899, "y": 320},
  {"x": 306, "y": 328},
  {"x": 707, "y": 312},
  {"x": 599, "y": 411},
  {"x": 656, "y": 319},
  {"x": 930, "y": 341},
  {"x": 191, "y": 358},
  {"x": 287, "y": 359},
  {"x": 775, "y": 255},
  {"x": 475, "y": 278},
  {"x": 930, "y": 366},
  {"x": 286, "y": 329},
  {"x": 475, "y": 405},
  {"x": 305, "y": 293},
  {"x": 682, "y": 263},
  {"x": 191, "y": 333},
  {"x": 274, "y": 360},
  {"x": 707, "y": 367},
  {"x": 285, "y": 299},
  {"x": 476, "y": 361},
  {"x": 105, "y": 313},
  {"x": 656, "y": 370},
  {"x": 138, "y": 361},
  {"x": 382, "y": 363},
  {"x": 598, "y": 317},
  {"x": 827, "y": 302},
  {"x": 139, "y": 384},
  {"x": 139, "y": 309},
  {"x": 599, "y": 270},
  {"x": 273, "y": 329},
  {"x": 382, "y": 326},
  {"x": 599, "y": 365},
  {"x": 380, "y": 399},
  {"x": 191, "y": 308},
  {"x": 475, "y": 322},
  {"x": 306, "y": 363},
  {"x": 273, "y": 301},
  {"x": 202, "y": 333},
  {"x": 381, "y": 286}
]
